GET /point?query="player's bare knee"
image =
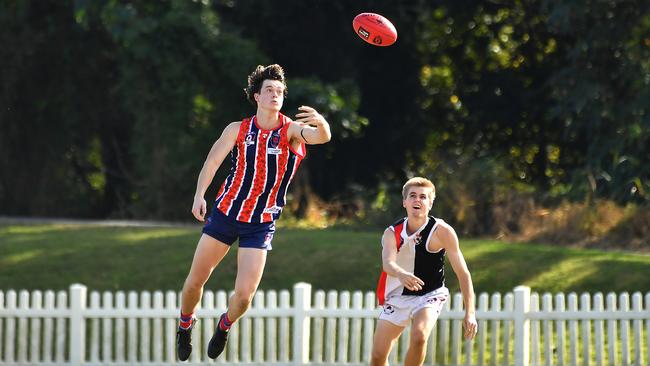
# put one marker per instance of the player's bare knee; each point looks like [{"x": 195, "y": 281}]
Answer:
[
  {"x": 243, "y": 298},
  {"x": 419, "y": 339},
  {"x": 192, "y": 285}
]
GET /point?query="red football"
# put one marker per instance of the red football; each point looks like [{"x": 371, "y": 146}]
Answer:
[{"x": 375, "y": 29}]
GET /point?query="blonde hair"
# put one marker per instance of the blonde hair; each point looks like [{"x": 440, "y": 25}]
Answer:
[{"x": 418, "y": 182}]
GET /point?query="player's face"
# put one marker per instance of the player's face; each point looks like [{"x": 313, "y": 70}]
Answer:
[
  {"x": 418, "y": 201},
  {"x": 271, "y": 95}
]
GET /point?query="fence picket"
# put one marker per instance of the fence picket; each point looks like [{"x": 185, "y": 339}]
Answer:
[
  {"x": 547, "y": 307},
  {"x": 483, "y": 300},
  {"x": 494, "y": 339},
  {"x": 573, "y": 330},
  {"x": 284, "y": 328},
  {"x": 585, "y": 306},
  {"x": 355, "y": 331},
  {"x": 48, "y": 327},
  {"x": 61, "y": 331},
  {"x": 145, "y": 327},
  {"x": 10, "y": 329},
  {"x": 158, "y": 304},
  {"x": 120, "y": 330},
  {"x": 560, "y": 328},
  {"x": 508, "y": 305},
  {"x": 23, "y": 304},
  {"x": 638, "y": 331},
  {"x": 271, "y": 327},
  {"x": 624, "y": 301},
  {"x": 132, "y": 325},
  {"x": 611, "y": 330},
  {"x": 599, "y": 341},
  {"x": 107, "y": 329},
  {"x": 534, "y": 331},
  {"x": 258, "y": 347},
  {"x": 342, "y": 338},
  {"x": 318, "y": 328},
  {"x": 245, "y": 342},
  {"x": 94, "y": 328},
  {"x": 330, "y": 327},
  {"x": 368, "y": 326},
  {"x": 35, "y": 331}
]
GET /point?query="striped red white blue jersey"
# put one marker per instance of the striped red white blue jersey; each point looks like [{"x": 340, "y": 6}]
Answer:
[{"x": 263, "y": 165}]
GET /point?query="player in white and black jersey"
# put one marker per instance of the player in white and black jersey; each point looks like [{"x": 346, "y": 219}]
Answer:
[{"x": 411, "y": 287}]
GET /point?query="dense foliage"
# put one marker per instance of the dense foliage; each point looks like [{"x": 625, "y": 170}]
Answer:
[{"x": 109, "y": 107}]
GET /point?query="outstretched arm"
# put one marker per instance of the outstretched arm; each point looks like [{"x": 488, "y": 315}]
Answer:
[
  {"x": 310, "y": 127},
  {"x": 390, "y": 266},
  {"x": 450, "y": 242},
  {"x": 217, "y": 154}
]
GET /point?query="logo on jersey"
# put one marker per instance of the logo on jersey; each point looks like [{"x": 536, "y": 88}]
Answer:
[
  {"x": 418, "y": 239},
  {"x": 272, "y": 210},
  {"x": 275, "y": 140},
  {"x": 250, "y": 138}
]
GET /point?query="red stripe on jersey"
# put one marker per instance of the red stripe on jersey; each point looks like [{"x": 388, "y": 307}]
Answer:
[
  {"x": 259, "y": 177},
  {"x": 279, "y": 172},
  {"x": 381, "y": 289},
  {"x": 381, "y": 285},
  {"x": 226, "y": 202},
  {"x": 398, "y": 235}
]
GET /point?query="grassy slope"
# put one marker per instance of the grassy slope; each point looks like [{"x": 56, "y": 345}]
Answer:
[{"x": 54, "y": 256}]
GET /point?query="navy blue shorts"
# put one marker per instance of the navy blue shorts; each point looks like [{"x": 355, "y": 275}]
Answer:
[{"x": 227, "y": 230}]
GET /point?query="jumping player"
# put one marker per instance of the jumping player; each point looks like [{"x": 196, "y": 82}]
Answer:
[
  {"x": 265, "y": 150},
  {"x": 412, "y": 286}
]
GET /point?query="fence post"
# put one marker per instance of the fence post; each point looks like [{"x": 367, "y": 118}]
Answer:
[
  {"x": 77, "y": 324},
  {"x": 301, "y": 323},
  {"x": 522, "y": 326}
]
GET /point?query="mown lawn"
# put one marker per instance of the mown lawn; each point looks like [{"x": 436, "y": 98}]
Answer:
[{"x": 128, "y": 258}]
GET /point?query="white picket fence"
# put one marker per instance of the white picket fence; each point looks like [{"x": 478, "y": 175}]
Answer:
[{"x": 520, "y": 328}]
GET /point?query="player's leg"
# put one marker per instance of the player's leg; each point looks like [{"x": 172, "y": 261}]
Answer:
[
  {"x": 250, "y": 266},
  {"x": 424, "y": 318},
  {"x": 254, "y": 241},
  {"x": 209, "y": 253},
  {"x": 386, "y": 334}
]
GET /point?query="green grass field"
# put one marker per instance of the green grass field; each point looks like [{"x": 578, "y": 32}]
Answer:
[{"x": 111, "y": 258}]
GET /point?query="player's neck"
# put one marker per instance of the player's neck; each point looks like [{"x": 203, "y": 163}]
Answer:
[
  {"x": 267, "y": 119},
  {"x": 414, "y": 223}
]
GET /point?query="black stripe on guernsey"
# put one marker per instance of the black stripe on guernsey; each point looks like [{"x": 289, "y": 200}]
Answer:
[
  {"x": 282, "y": 192},
  {"x": 271, "y": 171},
  {"x": 429, "y": 267},
  {"x": 251, "y": 152}
]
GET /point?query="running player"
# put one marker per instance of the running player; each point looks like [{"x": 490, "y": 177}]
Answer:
[
  {"x": 412, "y": 286},
  {"x": 265, "y": 150}
]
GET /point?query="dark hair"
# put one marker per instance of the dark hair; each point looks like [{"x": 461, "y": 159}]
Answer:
[{"x": 257, "y": 77}]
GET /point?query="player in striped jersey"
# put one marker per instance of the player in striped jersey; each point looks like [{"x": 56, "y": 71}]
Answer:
[
  {"x": 412, "y": 286},
  {"x": 265, "y": 151}
]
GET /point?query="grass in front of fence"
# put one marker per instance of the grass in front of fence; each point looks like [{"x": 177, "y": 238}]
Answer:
[{"x": 111, "y": 258}]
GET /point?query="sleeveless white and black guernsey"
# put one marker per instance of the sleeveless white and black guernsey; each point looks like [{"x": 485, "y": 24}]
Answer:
[
  {"x": 263, "y": 165},
  {"x": 413, "y": 256}
]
